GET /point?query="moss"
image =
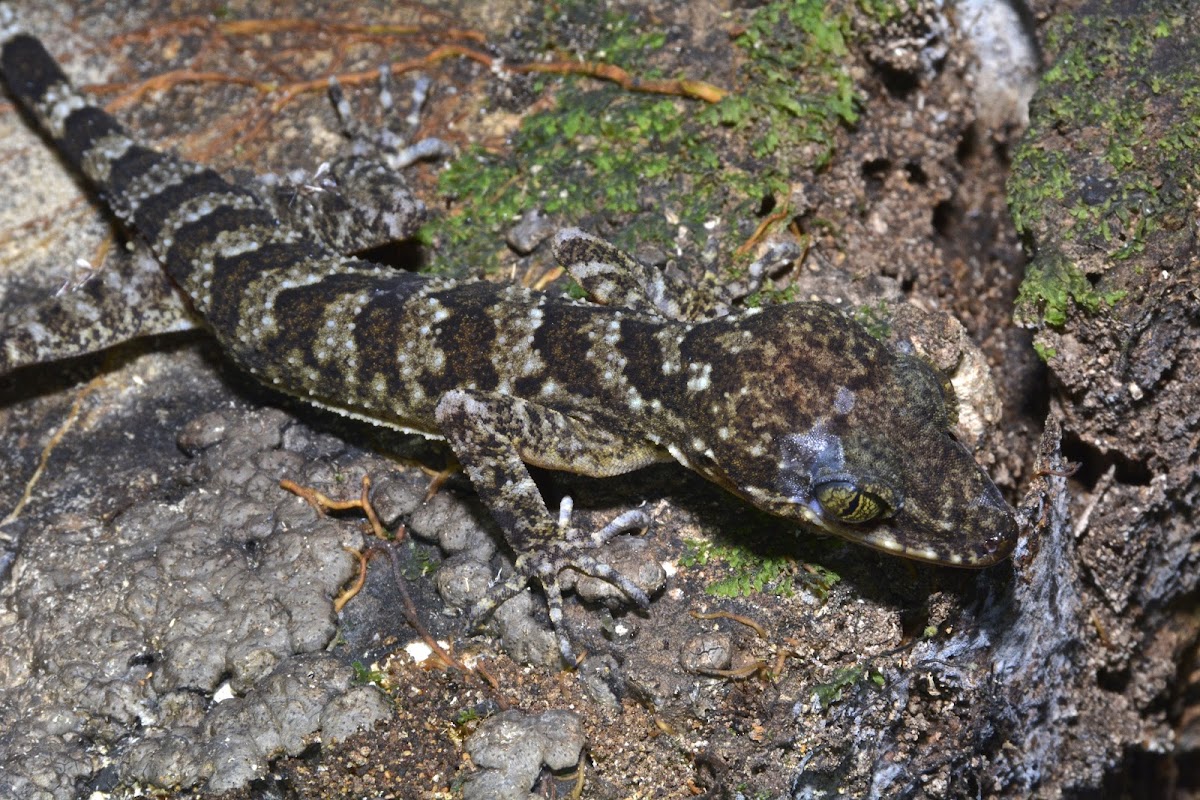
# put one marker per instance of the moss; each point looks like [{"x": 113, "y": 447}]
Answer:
[
  {"x": 885, "y": 11},
  {"x": 1044, "y": 351},
  {"x": 786, "y": 42},
  {"x": 364, "y": 675},
  {"x": 466, "y": 717},
  {"x": 765, "y": 568},
  {"x": 751, "y": 573},
  {"x": 651, "y": 164},
  {"x": 844, "y": 678},
  {"x": 1052, "y": 286},
  {"x": 772, "y": 296},
  {"x": 876, "y": 318},
  {"x": 1109, "y": 162}
]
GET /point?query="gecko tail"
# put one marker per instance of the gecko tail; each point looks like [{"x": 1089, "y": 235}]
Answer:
[
  {"x": 194, "y": 221},
  {"x": 35, "y": 81}
]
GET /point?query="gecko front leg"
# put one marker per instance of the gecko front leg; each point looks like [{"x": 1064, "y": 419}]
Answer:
[{"x": 494, "y": 436}]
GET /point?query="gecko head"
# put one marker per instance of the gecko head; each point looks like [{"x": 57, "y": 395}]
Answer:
[
  {"x": 865, "y": 451},
  {"x": 906, "y": 488}
]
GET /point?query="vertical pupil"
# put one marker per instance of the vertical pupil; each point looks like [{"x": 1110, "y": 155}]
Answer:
[{"x": 852, "y": 505}]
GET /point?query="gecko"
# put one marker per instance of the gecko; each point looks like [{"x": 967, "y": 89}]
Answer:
[{"x": 794, "y": 408}]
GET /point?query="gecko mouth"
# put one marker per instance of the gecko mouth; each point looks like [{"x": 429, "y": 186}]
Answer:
[
  {"x": 983, "y": 552},
  {"x": 881, "y": 540},
  {"x": 983, "y": 534}
]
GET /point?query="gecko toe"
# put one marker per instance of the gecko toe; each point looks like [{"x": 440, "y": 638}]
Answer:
[{"x": 496, "y": 596}]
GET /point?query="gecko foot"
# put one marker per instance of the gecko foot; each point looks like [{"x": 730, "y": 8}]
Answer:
[
  {"x": 570, "y": 549},
  {"x": 395, "y": 147}
]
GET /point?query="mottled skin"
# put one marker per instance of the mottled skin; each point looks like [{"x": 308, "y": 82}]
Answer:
[{"x": 794, "y": 407}]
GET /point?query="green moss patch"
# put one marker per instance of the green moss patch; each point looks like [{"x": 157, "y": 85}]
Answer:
[{"x": 650, "y": 165}]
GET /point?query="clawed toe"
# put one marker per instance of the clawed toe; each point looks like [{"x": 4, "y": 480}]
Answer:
[{"x": 571, "y": 550}]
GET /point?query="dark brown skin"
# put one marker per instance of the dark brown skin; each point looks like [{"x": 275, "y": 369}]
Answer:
[{"x": 849, "y": 436}]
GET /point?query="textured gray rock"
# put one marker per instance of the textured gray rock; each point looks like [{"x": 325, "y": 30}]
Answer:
[
  {"x": 127, "y": 632},
  {"x": 511, "y": 747}
]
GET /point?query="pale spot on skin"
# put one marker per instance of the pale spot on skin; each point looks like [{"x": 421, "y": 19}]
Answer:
[
  {"x": 887, "y": 543},
  {"x": 843, "y": 403},
  {"x": 58, "y": 104},
  {"x": 97, "y": 162},
  {"x": 701, "y": 377}
]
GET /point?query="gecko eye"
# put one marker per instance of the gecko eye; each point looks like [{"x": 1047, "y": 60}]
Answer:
[{"x": 849, "y": 503}]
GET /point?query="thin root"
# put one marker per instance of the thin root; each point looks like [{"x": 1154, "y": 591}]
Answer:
[{"x": 749, "y": 623}]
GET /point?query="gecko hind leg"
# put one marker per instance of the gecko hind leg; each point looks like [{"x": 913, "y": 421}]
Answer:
[
  {"x": 360, "y": 200},
  {"x": 394, "y": 147},
  {"x": 127, "y": 298}
]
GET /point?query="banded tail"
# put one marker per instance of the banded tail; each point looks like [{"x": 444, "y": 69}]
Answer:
[
  {"x": 242, "y": 267},
  {"x": 179, "y": 208}
]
